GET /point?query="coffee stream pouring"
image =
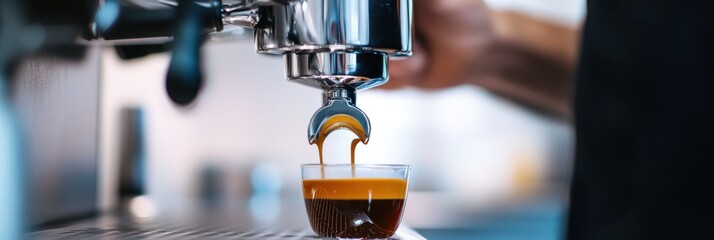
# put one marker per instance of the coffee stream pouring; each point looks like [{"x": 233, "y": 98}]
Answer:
[{"x": 339, "y": 46}]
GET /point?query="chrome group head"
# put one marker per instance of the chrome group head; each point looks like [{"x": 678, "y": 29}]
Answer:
[{"x": 340, "y": 46}]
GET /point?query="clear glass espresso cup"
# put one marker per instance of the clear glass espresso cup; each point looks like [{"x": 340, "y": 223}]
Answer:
[{"x": 355, "y": 201}]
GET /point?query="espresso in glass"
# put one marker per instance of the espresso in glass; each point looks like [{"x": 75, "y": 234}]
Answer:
[{"x": 355, "y": 201}]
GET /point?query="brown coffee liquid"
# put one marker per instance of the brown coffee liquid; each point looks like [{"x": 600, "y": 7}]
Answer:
[
  {"x": 356, "y": 207},
  {"x": 341, "y": 121},
  {"x": 352, "y": 154}
]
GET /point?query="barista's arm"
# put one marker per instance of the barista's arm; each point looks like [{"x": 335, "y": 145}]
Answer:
[{"x": 522, "y": 58}]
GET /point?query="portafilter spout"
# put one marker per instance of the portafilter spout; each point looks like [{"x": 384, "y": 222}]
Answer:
[
  {"x": 340, "y": 75},
  {"x": 338, "y": 111}
]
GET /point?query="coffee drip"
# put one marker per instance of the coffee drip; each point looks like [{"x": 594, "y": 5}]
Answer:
[
  {"x": 339, "y": 112},
  {"x": 336, "y": 122}
]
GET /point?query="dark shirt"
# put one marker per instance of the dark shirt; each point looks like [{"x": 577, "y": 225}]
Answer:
[{"x": 644, "y": 118}]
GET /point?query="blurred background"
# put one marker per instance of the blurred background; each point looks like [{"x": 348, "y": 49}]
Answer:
[{"x": 483, "y": 166}]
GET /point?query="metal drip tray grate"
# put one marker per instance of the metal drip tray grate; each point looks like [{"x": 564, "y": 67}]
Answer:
[
  {"x": 112, "y": 227},
  {"x": 104, "y": 228},
  {"x": 132, "y": 233}
]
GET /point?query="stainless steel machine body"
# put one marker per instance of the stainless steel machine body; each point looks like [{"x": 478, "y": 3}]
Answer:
[
  {"x": 340, "y": 46},
  {"x": 335, "y": 45}
]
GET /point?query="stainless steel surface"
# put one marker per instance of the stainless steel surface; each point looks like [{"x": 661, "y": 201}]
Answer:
[
  {"x": 336, "y": 41},
  {"x": 247, "y": 18},
  {"x": 330, "y": 44},
  {"x": 347, "y": 25},
  {"x": 337, "y": 101},
  {"x": 338, "y": 69},
  {"x": 57, "y": 102}
]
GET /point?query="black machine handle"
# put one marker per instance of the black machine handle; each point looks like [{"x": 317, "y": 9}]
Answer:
[
  {"x": 185, "y": 76},
  {"x": 188, "y": 22}
]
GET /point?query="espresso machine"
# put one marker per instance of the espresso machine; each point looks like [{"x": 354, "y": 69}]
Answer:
[{"x": 338, "y": 46}]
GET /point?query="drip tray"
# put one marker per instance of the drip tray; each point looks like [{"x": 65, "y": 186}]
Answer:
[{"x": 127, "y": 227}]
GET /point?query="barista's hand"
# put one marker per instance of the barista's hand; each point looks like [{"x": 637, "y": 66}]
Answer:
[
  {"x": 461, "y": 41},
  {"x": 450, "y": 36}
]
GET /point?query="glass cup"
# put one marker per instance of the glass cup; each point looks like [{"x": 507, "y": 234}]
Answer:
[{"x": 355, "y": 201}]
